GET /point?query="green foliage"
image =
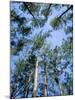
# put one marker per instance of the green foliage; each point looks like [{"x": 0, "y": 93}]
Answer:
[
  {"x": 39, "y": 39},
  {"x": 38, "y": 42},
  {"x": 25, "y": 30},
  {"x": 55, "y": 23}
]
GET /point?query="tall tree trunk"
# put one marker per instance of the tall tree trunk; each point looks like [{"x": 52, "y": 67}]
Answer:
[
  {"x": 27, "y": 87},
  {"x": 35, "y": 79},
  {"x": 60, "y": 89},
  {"x": 60, "y": 85},
  {"x": 45, "y": 80},
  {"x": 27, "y": 92}
]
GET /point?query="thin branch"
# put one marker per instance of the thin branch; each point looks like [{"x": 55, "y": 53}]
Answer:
[
  {"x": 30, "y": 12},
  {"x": 48, "y": 12},
  {"x": 48, "y": 9},
  {"x": 65, "y": 12}
]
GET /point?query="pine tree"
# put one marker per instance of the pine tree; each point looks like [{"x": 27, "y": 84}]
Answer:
[{"x": 28, "y": 41}]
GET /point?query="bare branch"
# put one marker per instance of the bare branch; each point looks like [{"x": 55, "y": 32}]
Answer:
[
  {"x": 30, "y": 12},
  {"x": 65, "y": 12}
]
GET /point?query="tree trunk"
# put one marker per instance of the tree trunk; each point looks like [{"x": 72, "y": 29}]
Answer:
[
  {"x": 60, "y": 89},
  {"x": 45, "y": 80},
  {"x": 27, "y": 92},
  {"x": 60, "y": 85},
  {"x": 35, "y": 79},
  {"x": 27, "y": 88}
]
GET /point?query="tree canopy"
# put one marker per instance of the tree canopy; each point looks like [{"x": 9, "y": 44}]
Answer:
[{"x": 39, "y": 68}]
